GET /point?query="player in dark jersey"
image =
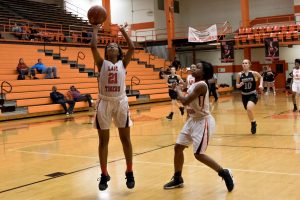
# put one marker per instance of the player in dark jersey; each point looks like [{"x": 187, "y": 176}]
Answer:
[
  {"x": 246, "y": 81},
  {"x": 270, "y": 80},
  {"x": 172, "y": 79}
]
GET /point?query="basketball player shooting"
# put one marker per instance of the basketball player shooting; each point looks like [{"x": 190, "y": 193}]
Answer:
[{"x": 113, "y": 102}]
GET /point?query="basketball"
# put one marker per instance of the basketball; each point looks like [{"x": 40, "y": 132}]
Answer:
[{"x": 97, "y": 15}]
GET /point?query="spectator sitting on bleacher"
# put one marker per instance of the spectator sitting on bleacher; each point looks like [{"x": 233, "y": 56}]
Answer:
[
  {"x": 17, "y": 31},
  {"x": 42, "y": 69},
  {"x": 59, "y": 98},
  {"x": 23, "y": 70},
  {"x": 80, "y": 97}
]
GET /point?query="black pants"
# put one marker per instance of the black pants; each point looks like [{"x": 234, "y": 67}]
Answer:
[
  {"x": 85, "y": 97},
  {"x": 64, "y": 102},
  {"x": 213, "y": 90}
]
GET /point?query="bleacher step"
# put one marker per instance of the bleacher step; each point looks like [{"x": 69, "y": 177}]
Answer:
[
  {"x": 64, "y": 60},
  {"x": 8, "y": 106},
  {"x": 56, "y": 56},
  {"x": 130, "y": 93},
  {"x": 149, "y": 66},
  {"x": 18, "y": 111}
]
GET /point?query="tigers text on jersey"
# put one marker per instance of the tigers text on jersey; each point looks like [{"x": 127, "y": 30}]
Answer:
[
  {"x": 190, "y": 80},
  {"x": 112, "y": 79},
  {"x": 199, "y": 107},
  {"x": 296, "y": 75},
  {"x": 249, "y": 81}
]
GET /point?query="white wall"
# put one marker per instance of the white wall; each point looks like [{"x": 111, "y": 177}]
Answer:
[
  {"x": 197, "y": 13},
  {"x": 121, "y": 10},
  {"x": 213, "y": 56}
]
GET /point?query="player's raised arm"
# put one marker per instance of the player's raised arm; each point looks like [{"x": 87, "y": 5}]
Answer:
[
  {"x": 97, "y": 57},
  {"x": 130, "y": 51}
]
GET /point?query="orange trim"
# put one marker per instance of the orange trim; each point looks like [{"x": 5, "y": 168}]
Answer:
[
  {"x": 144, "y": 25},
  {"x": 297, "y": 8},
  {"x": 272, "y": 19}
]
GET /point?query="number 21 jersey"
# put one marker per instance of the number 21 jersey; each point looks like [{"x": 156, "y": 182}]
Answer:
[
  {"x": 249, "y": 83},
  {"x": 112, "y": 79}
]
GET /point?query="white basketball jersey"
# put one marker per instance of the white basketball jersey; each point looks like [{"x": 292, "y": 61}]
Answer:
[
  {"x": 296, "y": 75},
  {"x": 112, "y": 79},
  {"x": 190, "y": 80},
  {"x": 199, "y": 107}
]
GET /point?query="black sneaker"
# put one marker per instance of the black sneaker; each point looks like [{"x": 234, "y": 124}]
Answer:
[
  {"x": 253, "y": 127},
  {"x": 129, "y": 180},
  {"x": 103, "y": 182},
  {"x": 228, "y": 178},
  {"x": 176, "y": 182},
  {"x": 170, "y": 116},
  {"x": 181, "y": 110}
]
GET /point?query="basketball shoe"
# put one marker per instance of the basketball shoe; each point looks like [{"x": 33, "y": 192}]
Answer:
[
  {"x": 103, "y": 182},
  {"x": 228, "y": 178},
  {"x": 176, "y": 182}
]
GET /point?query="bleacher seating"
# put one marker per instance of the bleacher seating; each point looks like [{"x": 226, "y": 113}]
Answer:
[
  {"x": 41, "y": 12},
  {"x": 34, "y": 94},
  {"x": 256, "y": 35}
]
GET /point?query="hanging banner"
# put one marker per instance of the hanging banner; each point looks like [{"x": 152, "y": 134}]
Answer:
[
  {"x": 227, "y": 51},
  {"x": 271, "y": 49},
  {"x": 207, "y": 35}
]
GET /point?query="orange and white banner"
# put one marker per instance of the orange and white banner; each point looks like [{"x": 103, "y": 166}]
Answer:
[{"x": 207, "y": 35}]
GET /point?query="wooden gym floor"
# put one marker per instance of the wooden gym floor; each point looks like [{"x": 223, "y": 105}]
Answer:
[{"x": 265, "y": 165}]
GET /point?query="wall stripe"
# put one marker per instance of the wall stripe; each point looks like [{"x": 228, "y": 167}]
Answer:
[{"x": 145, "y": 25}]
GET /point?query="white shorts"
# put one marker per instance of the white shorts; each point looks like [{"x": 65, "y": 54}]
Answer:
[
  {"x": 296, "y": 87},
  {"x": 116, "y": 110},
  {"x": 197, "y": 132}
]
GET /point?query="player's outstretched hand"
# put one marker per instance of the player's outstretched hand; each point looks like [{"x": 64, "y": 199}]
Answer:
[{"x": 122, "y": 27}]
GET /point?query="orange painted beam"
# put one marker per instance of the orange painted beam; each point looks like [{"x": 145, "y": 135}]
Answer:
[
  {"x": 245, "y": 24},
  {"x": 106, "y": 5},
  {"x": 169, "y": 11},
  {"x": 245, "y": 13}
]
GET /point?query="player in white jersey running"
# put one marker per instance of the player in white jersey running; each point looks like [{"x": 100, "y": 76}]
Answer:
[
  {"x": 197, "y": 128},
  {"x": 296, "y": 83},
  {"x": 113, "y": 103},
  {"x": 190, "y": 79}
]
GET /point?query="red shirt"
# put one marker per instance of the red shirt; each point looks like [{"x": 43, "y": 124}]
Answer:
[{"x": 22, "y": 66}]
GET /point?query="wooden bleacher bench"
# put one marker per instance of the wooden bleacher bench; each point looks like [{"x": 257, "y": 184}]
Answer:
[{"x": 223, "y": 90}]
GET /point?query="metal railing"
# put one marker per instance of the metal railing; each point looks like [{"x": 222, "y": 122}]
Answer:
[
  {"x": 80, "y": 56},
  {"x": 4, "y": 91},
  {"x": 132, "y": 82},
  {"x": 75, "y": 9},
  {"x": 60, "y": 49}
]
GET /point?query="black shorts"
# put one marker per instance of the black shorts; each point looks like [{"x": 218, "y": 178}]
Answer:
[
  {"x": 250, "y": 97},
  {"x": 172, "y": 94}
]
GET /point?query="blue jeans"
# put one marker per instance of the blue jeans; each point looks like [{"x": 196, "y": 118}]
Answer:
[
  {"x": 50, "y": 72},
  {"x": 27, "y": 72}
]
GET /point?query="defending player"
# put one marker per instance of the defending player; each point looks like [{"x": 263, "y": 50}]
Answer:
[{"x": 197, "y": 128}]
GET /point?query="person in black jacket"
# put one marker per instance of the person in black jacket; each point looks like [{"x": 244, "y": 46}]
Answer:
[{"x": 59, "y": 98}]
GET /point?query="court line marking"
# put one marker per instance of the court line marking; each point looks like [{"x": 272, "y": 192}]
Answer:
[
  {"x": 84, "y": 169},
  {"x": 234, "y": 169},
  {"x": 57, "y": 154}
]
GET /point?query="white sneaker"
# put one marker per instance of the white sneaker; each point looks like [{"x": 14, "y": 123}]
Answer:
[{"x": 67, "y": 113}]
